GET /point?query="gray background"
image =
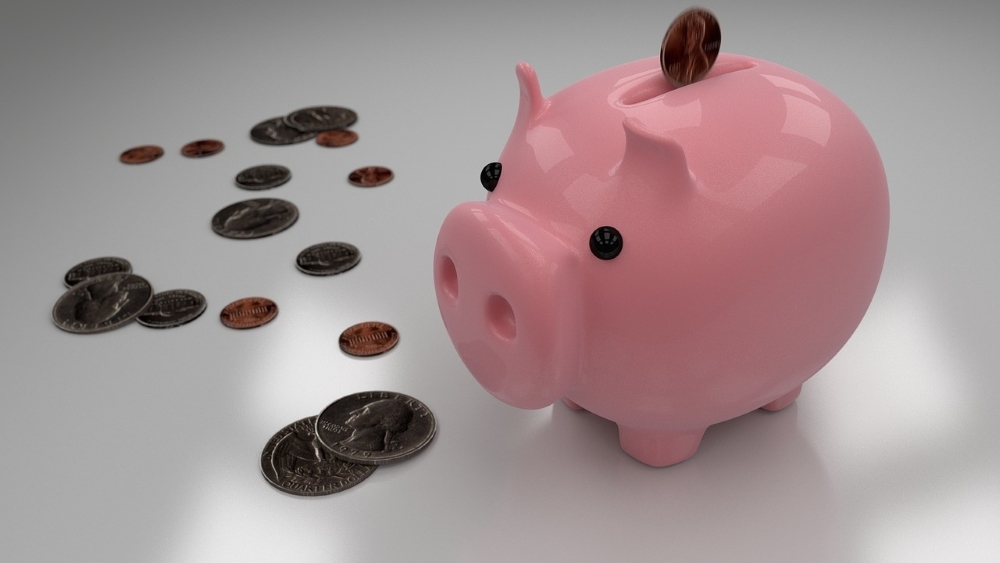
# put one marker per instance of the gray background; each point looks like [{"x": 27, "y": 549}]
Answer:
[{"x": 143, "y": 445}]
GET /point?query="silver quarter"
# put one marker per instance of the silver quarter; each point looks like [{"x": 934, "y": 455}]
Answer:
[
  {"x": 102, "y": 303},
  {"x": 263, "y": 177},
  {"x": 328, "y": 258},
  {"x": 255, "y": 218},
  {"x": 275, "y": 131},
  {"x": 95, "y": 267},
  {"x": 295, "y": 462},
  {"x": 173, "y": 308},
  {"x": 320, "y": 118},
  {"x": 376, "y": 427}
]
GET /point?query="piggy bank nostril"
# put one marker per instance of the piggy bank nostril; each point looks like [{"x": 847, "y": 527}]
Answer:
[
  {"x": 448, "y": 277},
  {"x": 500, "y": 316}
]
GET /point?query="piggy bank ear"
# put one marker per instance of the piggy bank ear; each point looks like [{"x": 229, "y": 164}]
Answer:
[
  {"x": 532, "y": 101},
  {"x": 655, "y": 156}
]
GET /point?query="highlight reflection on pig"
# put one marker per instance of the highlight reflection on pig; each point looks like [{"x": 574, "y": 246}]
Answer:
[{"x": 666, "y": 258}]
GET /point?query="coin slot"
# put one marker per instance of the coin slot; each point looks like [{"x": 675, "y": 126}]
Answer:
[
  {"x": 656, "y": 85},
  {"x": 448, "y": 277},
  {"x": 500, "y": 316}
]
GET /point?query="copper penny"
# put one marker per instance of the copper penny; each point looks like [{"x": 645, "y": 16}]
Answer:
[
  {"x": 141, "y": 154},
  {"x": 249, "y": 312},
  {"x": 368, "y": 339},
  {"x": 204, "y": 147},
  {"x": 690, "y": 47},
  {"x": 370, "y": 176},
  {"x": 336, "y": 138}
]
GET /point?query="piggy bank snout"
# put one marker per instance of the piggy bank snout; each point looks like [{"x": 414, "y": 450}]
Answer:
[{"x": 507, "y": 294}]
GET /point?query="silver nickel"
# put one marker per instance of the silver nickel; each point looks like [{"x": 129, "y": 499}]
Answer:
[
  {"x": 295, "y": 462},
  {"x": 320, "y": 118},
  {"x": 172, "y": 308},
  {"x": 255, "y": 218},
  {"x": 275, "y": 131},
  {"x": 102, "y": 303},
  {"x": 376, "y": 427},
  {"x": 95, "y": 267},
  {"x": 263, "y": 177},
  {"x": 328, "y": 258}
]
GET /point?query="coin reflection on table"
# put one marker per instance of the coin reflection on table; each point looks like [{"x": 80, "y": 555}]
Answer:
[{"x": 690, "y": 46}]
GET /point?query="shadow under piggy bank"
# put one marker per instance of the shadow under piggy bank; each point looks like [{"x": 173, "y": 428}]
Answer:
[{"x": 756, "y": 491}]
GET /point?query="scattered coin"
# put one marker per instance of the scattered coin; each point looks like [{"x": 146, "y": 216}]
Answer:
[
  {"x": 102, "y": 303},
  {"x": 249, "y": 312},
  {"x": 328, "y": 258},
  {"x": 690, "y": 46},
  {"x": 255, "y": 218},
  {"x": 336, "y": 138},
  {"x": 141, "y": 154},
  {"x": 368, "y": 339},
  {"x": 320, "y": 118},
  {"x": 263, "y": 177},
  {"x": 375, "y": 427},
  {"x": 173, "y": 308},
  {"x": 275, "y": 131},
  {"x": 202, "y": 148},
  {"x": 370, "y": 176},
  {"x": 95, "y": 267},
  {"x": 294, "y": 461}
]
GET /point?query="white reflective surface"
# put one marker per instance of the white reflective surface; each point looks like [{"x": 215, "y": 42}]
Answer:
[{"x": 143, "y": 445}]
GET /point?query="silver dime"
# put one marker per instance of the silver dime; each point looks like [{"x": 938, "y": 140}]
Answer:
[
  {"x": 95, "y": 267},
  {"x": 263, "y": 177},
  {"x": 275, "y": 131},
  {"x": 328, "y": 258},
  {"x": 320, "y": 118},
  {"x": 255, "y": 218},
  {"x": 376, "y": 427},
  {"x": 102, "y": 303},
  {"x": 295, "y": 462},
  {"x": 173, "y": 308}
]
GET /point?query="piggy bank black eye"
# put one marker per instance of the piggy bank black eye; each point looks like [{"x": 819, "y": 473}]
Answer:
[
  {"x": 606, "y": 243},
  {"x": 490, "y": 176}
]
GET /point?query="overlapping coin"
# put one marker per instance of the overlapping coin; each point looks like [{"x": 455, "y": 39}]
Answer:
[
  {"x": 173, "y": 308},
  {"x": 102, "y": 303},
  {"x": 336, "y": 138},
  {"x": 95, "y": 267},
  {"x": 255, "y": 218},
  {"x": 690, "y": 46},
  {"x": 320, "y": 118},
  {"x": 275, "y": 131},
  {"x": 141, "y": 154},
  {"x": 369, "y": 339},
  {"x": 328, "y": 258},
  {"x": 249, "y": 312},
  {"x": 376, "y": 427},
  {"x": 294, "y": 461},
  {"x": 263, "y": 177},
  {"x": 370, "y": 176},
  {"x": 202, "y": 148}
]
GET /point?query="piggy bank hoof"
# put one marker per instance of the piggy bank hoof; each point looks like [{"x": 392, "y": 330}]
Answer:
[
  {"x": 659, "y": 448},
  {"x": 784, "y": 400},
  {"x": 571, "y": 404}
]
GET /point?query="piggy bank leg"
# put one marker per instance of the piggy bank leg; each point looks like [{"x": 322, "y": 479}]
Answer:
[
  {"x": 783, "y": 401},
  {"x": 659, "y": 448},
  {"x": 571, "y": 404}
]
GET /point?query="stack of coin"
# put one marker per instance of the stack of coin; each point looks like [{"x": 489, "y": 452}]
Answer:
[
  {"x": 345, "y": 443},
  {"x": 304, "y": 124}
]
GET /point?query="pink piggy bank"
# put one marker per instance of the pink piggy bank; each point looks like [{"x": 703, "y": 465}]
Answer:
[{"x": 666, "y": 258}]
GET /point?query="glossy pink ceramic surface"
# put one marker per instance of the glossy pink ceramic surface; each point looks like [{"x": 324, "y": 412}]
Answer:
[{"x": 754, "y": 215}]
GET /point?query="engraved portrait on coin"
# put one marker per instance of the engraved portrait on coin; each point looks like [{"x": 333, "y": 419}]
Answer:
[
  {"x": 101, "y": 303},
  {"x": 376, "y": 427},
  {"x": 295, "y": 462}
]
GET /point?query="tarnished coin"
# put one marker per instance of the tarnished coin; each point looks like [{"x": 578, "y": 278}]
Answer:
[
  {"x": 320, "y": 118},
  {"x": 202, "y": 148},
  {"x": 295, "y": 462},
  {"x": 102, "y": 303},
  {"x": 370, "y": 176},
  {"x": 336, "y": 138},
  {"x": 141, "y": 155},
  {"x": 690, "y": 47},
  {"x": 249, "y": 312},
  {"x": 263, "y": 177},
  {"x": 369, "y": 339},
  {"x": 275, "y": 131},
  {"x": 376, "y": 427},
  {"x": 255, "y": 218},
  {"x": 173, "y": 308},
  {"x": 328, "y": 258},
  {"x": 95, "y": 267}
]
